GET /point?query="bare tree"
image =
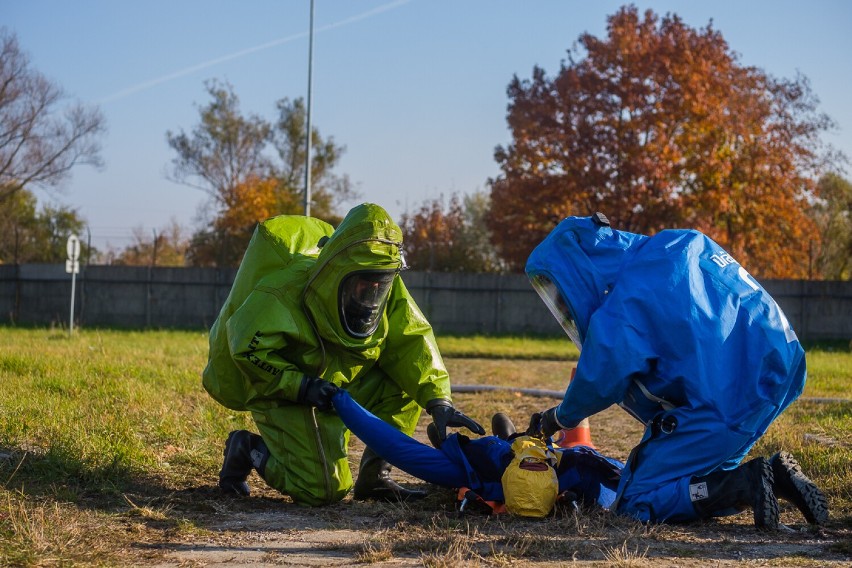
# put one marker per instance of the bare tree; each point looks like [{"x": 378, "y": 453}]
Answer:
[
  {"x": 224, "y": 150},
  {"x": 40, "y": 138}
]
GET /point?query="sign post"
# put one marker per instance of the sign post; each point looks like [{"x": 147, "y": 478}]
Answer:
[{"x": 72, "y": 266}]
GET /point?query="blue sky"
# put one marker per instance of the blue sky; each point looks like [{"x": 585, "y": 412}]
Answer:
[{"x": 415, "y": 89}]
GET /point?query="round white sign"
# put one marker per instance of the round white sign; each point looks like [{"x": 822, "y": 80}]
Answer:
[{"x": 73, "y": 247}]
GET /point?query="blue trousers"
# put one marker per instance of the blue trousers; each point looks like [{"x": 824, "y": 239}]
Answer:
[{"x": 655, "y": 481}]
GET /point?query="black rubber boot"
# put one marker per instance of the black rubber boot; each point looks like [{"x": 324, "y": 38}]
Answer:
[
  {"x": 793, "y": 485},
  {"x": 502, "y": 426},
  {"x": 244, "y": 451},
  {"x": 750, "y": 485},
  {"x": 374, "y": 481}
]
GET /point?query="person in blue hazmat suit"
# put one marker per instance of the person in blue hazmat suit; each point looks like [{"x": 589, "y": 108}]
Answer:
[
  {"x": 510, "y": 471},
  {"x": 313, "y": 307},
  {"x": 674, "y": 330}
]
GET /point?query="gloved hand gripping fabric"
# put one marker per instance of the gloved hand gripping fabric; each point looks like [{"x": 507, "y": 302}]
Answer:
[
  {"x": 544, "y": 424},
  {"x": 316, "y": 392},
  {"x": 444, "y": 414}
]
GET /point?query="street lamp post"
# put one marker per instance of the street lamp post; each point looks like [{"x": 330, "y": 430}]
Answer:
[{"x": 308, "y": 134}]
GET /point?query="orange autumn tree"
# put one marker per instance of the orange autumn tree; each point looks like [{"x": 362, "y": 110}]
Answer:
[
  {"x": 431, "y": 236},
  {"x": 252, "y": 169},
  {"x": 658, "y": 125},
  {"x": 450, "y": 237},
  {"x": 242, "y": 207},
  {"x": 247, "y": 203}
]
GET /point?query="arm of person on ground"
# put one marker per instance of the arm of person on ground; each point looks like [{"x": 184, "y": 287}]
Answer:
[{"x": 401, "y": 450}]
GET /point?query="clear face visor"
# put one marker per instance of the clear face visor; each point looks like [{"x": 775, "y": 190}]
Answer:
[
  {"x": 557, "y": 305},
  {"x": 362, "y": 301}
]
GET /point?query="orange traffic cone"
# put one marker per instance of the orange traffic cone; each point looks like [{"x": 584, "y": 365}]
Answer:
[{"x": 580, "y": 435}]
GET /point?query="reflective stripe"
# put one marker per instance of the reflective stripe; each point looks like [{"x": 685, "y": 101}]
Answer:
[{"x": 661, "y": 401}]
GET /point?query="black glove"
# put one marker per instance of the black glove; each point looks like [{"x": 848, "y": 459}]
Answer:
[
  {"x": 316, "y": 392},
  {"x": 544, "y": 424},
  {"x": 444, "y": 414}
]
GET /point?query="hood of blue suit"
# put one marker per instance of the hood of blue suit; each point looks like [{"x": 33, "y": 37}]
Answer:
[{"x": 583, "y": 257}]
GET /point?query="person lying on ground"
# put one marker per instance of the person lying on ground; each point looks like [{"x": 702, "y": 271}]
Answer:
[{"x": 509, "y": 468}]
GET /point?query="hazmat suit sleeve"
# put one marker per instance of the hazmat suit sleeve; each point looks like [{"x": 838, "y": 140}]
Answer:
[
  {"x": 411, "y": 357},
  {"x": 614, "y": 353},
  {"x": 399, "y": 449},
  {"x": 257, "y": 339}
]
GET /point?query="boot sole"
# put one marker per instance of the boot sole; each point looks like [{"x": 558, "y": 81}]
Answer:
[
  {"x": 766, "y": 511},
  {"x": 792, "y": 484}
]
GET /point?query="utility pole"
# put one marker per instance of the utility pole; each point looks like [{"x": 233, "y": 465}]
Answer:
[{"x": 308, "y": 134}]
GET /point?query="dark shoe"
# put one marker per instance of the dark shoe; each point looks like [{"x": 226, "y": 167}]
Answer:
[
  {"x": 749, "y": 485},
  {"x": 244, "y": 451},
  {"x": 502, "y": 426},
  {"x": 793, "y": 485},
  {"x": 375, "y": 484}
]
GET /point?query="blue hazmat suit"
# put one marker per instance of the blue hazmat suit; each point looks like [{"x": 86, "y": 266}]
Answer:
[
  {"x": 675, "y": 331},
  {"x": 477, "y": 464}
]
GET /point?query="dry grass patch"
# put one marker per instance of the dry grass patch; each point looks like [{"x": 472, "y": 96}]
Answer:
[{"x": 111, "y": 458}]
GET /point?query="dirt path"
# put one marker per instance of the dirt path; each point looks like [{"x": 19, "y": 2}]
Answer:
[{"x": 297, "y": 538}]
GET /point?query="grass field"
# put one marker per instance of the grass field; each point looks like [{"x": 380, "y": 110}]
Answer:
[{"x": 110, "y": 449}]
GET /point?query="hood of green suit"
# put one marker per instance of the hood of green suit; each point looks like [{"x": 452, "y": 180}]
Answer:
[{"x": 366, "y": 241}]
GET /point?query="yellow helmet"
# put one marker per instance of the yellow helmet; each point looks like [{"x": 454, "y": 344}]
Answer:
[{"x": 530, "y": 485}]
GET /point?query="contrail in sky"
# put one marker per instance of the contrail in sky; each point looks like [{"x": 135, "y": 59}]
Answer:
[{"x": 183, "y": 72}]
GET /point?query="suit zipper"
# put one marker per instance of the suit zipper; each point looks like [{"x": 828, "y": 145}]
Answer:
[{"x": 321, "y": 451}]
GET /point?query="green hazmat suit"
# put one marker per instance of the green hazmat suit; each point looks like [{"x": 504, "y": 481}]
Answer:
[{"x": 283, "y": 320}]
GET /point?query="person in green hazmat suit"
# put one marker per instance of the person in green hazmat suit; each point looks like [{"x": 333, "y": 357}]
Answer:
[{"x": 310, "y": 302}]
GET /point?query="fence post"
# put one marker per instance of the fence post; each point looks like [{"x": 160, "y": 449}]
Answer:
[
  {"x": 16, "y": 311},
  {"x": 498, "y": 304},
  {"x": 802, "y": 309},
  {"x": 148, "y": 299}
]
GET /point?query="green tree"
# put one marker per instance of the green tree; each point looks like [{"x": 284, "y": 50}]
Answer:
[
  {"x": 29, "y": 235},
  {"x": 17, "y": 227},
  {"x": 476, "y": 238},
  {"x": 55, "y": 224},
  {"x": 41, "y": 137},
  {"x": 833, "y": 215},
  {"x": 658, "y": 125}
]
